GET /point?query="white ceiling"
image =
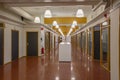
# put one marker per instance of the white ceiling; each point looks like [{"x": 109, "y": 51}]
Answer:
[{"x": 58, "y": 11}]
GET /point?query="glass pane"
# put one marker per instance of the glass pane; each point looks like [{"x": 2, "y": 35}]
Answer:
[
  {"x": 90, "y": 43},
  {"x": 105, "y": 46},
  {"x": 84, "y": 42},
  {"x": 97, "y": 28},
  {"x": 80, "y": 41}
]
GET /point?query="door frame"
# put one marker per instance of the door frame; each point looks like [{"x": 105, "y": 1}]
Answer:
[
  {"x": 54, "y": 42},
  {"x": 48, "y": 50},
  {"x": 108, "y": 50},
  {"x": 93, "y": 39},
  {"x": 11, "y": 42},
  {"x": 50, "y": 45},
  {"x": 119, "y": 43},
  {"x": 27, "y": 44}
]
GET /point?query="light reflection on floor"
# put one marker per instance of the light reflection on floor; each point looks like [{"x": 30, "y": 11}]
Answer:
[{"x": 41, "y": 68}]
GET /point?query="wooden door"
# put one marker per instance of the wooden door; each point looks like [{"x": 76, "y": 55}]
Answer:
[
  {"x": 15, "y": 44},
  {"x": 1, "y": 46},
  {"x": 32, "y": 43}
]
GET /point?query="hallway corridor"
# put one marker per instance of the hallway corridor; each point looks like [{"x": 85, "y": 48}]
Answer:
[{"x": 44, "y": 68}]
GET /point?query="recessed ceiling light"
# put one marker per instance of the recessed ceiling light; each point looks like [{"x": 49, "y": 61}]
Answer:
[
  {"x": 55, "y": 23},
  {"x": 59, "y": 30},
  {"x": 57, "y": 26},
  {"x": 48, "y": 14},
  {"x": 71, "y": 30},
  {"x": 105, "y": 23},
  {"x": 37, "y": 20},
  {"x": 74, "y": 23},
  {"x": 73, "y": 26}
]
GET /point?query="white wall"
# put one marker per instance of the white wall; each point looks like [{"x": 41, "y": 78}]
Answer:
[
  {"x": 95, "y": 13},
  {"x": 94, "y": 24},
  {"x": 13, "y": 24},
  {"x": 43, "y": 39},
  {"x": 68, "y": 38},
  {"x": 9, "y": 14},
  {"x": 35, "y": 28},
  {"x": 32, "y": 28},
  {"x": 22, "y": 39},
  {"x": 114, "y": 44},
  {"x": 7, "y": 41}
]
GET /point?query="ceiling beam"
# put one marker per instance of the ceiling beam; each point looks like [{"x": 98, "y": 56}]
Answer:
[
  {"x": 21, "y": 12},
  {"x": 30, "y": 4}
]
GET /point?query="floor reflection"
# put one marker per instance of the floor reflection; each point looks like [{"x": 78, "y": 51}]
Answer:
[{"x": 41, "y": 68}]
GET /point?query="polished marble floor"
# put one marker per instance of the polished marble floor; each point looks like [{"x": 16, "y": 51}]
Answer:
[{"x": 48, "y": 68}]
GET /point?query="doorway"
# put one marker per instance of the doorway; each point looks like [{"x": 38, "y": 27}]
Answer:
[
  {"x": 96, "y": 42},
  {"x": 15, "y": 44},
  {"x": 1, "y": 46},
  {"x": 32, "y": 43}
]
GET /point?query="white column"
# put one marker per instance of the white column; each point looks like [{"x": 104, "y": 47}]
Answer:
[{"x": 114, "y": 45}]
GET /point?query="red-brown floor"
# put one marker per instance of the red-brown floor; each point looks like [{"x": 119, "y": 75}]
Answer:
[{"x": 44, "y": 68}]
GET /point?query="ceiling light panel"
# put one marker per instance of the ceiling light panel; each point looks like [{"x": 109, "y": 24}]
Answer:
[
  {"x": 48, "y": 14},
  {"x": 55, "y": 23},
  {"x": 73, "y": 26},
  {"x": 74, "y": 23},
  {"x": 37, "y": 20},
  {"x": 57, "y": 26},
  {"x": 80, "y": 13}
]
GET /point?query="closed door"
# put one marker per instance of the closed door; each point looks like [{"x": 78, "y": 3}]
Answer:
[
  {"x": 1, "y": 46},
  {"x": 54, "y": 42},
  {"x": 32, "y": 43},
  {"x": 15, "y": 45},
  {"x": 97, "y": 45}
]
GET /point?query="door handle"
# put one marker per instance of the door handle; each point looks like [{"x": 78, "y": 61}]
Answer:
[{"x": 27, "y": 44}]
